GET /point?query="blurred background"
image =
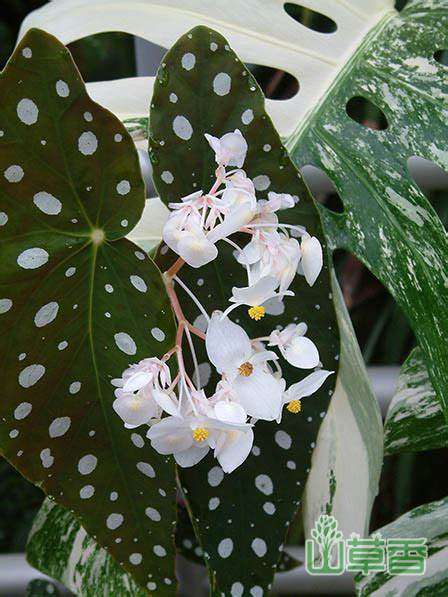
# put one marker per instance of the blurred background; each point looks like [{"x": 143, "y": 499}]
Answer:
[{"x": 385, "y": 338}]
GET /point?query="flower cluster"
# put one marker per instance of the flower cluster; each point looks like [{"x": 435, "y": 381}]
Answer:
[{"x": 182, "y": 420}]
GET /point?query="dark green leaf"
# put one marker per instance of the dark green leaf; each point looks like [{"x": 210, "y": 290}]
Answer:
[
  {"x": 79, "y": 303},
  {"x": 251, "y": 508},
  {"x": 188, "y": 546}
]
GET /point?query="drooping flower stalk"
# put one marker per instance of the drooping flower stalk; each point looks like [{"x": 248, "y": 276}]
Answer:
[{"x": 182, "y": 419}]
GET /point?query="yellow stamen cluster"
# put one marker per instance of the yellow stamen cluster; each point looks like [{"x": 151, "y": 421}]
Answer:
[
  {"x": 245, "y": 369},
  {"x": 200, "y": 434},
  {"x": 295, "y": 406},
  {"x": 256, "y": 312}
]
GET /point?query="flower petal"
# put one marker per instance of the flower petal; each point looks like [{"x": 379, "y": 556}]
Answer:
[
  {"x": 230, "y": 412},
  {"x": 190, "y": 457},
  {"x": 312, "y": 258},
  {"x": 260, "y": 394},
  {"x": 307, "y": 386},
  {"x": 170, "y": 435},
  {"x": 227, "y": 344},
  {"x": 137, "y": 381},
  {"x": 256, "y": 294},
  {"x": 235, "y": 449},
  {"x": 133, "y": 409},
  {"x": 240, "y": 206},
  {"x": 196, "y": 249},
  {"x": 166, "y": 402},
  {"x": 302, "y": 352}
]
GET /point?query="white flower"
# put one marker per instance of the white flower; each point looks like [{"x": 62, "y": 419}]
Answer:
[
  {"x": 272, "y": 254},
  {"x": 266, "y": 209},
  {"x": 280, "y": 258},
  {"x": 253, "y": 384},
  {"x": 148, "y": 372},
  {"x": 299, "y": 351},
  {"x": 184, "y": 234},
  {"x": 230, "y": 149},
  {"x": 141, "y": 393},
  {"x": 136, "y": 409},
  {"x": 190, "y": 437},
  {"x": 240, "y": 180},
  {"x": 278, "y": 201},
  {"x": 233, "y": 445},
  {"x": 196, "y": 249},
  {"x": 238, "y": 208},
  {"x": 255, "y": 295},
  {"x": 312, "y": 258},
  {"x": 308, "y": 386}
]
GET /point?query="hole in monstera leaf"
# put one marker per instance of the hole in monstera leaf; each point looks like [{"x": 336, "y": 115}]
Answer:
[
  {"x": 441, "y": 56},
  {"x": 115, "y": 55},
  {"x": 428, "y": 176},
  {"x": 311, "y": 19},
  {"x": 104, "y": 56},
  {"x": 365, "y": 112},
  {"x": 322, "y": 188},
  {"x": 276, "y": 84}
]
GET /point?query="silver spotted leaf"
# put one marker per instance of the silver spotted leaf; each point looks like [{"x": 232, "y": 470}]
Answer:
[
  {"x": 387, "y": 221},
  {"x": 240, "y": 519},
  {"x": 78, "y": 304}
]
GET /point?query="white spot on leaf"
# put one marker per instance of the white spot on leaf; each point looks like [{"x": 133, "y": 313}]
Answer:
[
  {"x": 87, "y": 143},
  {"x": 114, "y": 521},
  {"x": 222, "y": 84},
  {"x": 225, "y": 548},
  {"x": 182, "y": 128},
  {"x": 158, "y": 334},
  {"x": 46, "y": 314},
  {"x": 138, "y": 283},
  {"x": 62, "y": 89},
  {"x": 247, "y": 116},
  {"x": 14, "y": 173},
  {"x": 27, "y": 111},
  {"x": 59, "y": 427},
  {"x": 23, "y": 410},
  {"x": 188, "y": 61},
  {"x": 31, "y": 375},
  {"x": 125, "y": 343},
  {"x": 32, "y": 258},
  {"x": 5, "y": 305},
  {"x": 87, "y": 464},
  {"x": 47, "y": 203}
]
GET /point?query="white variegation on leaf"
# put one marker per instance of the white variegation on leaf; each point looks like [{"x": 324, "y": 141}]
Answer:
[
  {"x": 266, "y": 35},
  {"x": 148, "y": 232},
  {"x": 347, "y": 460},
  {"x": 429, "y": 522},
  {"x": 414, "y": 420}
]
